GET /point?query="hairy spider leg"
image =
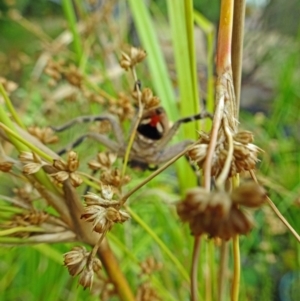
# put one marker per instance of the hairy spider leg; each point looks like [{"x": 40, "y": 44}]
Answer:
[
  {"x": 112, "y": 145},
  {"x": 172, "y": 131}
]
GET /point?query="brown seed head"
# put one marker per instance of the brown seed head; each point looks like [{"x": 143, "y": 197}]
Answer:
[
  {"x": 76, "y": 260},
  {"x": 9, "y": 86},
  {"x": 147, "y": 98},
  {"x": 131, "y": 57},
  {"x": 74, "y": 76},
  {"x": 33, "y": 163},
  {"x": 244, "y": 154},
  {"x": 6, "y": 166},
  {"x": 214, "y": 214},
  {"x": 86, "y": 278},
  {"x": 45, "y": 135},
  {"x": 249, "y": 194},
  {"x": 104, "y": 161}
]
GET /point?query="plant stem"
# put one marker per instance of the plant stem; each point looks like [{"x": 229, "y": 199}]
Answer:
[
  {"x": 277, "y": 212},
  {"x": 237, "y": 48},
  {"x": 225, "y": 37},
  {"x": 71, "y": 18},
  {"x": 161, "y": 244},
  {"x": 194, "y": 269},
  {"x": 112, "y": 268},
  {"x": 236, "y": 270},
  {"x": 223, "y": 271},
  {"x": 10, "y": 107},
  {"x": 155, "y": 173}
]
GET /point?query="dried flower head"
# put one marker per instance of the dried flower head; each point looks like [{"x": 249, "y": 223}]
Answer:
[
  {"x": 147, "y": 98},
  {"x": 73, "y": 76},
  {"x": 131, "y": 57},
  {"x": 122, "y": 107},
  {"x": 146, "y": 292},
  {"x": 244, "y": 153},
  {"x": 86, "y": 278},
  {"x": 67, "y": 170},
  {"x": 30, "y": 218},
  {"x": 217, "y": 213},
  {"x": 114, "y": 178},
  {"x": 32, "y": 162},
  {"x": 6, "y": 166},
  {"x": 104, "y": 161},
  {"x": 45, "y": 135},
  {"x": 92, "y": 96},
  {"x": 103, "y": 211},
  {"x": 149, "y": 266},
  {"x": 76, "y": 260},
  {"x": 54, "y": 70},
  {"x": 9, "y": 86},
  {"x": 79, "y": 262}
]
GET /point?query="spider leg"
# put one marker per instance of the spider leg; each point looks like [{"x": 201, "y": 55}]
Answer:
[
  {"x": 112, "y": 145},
  {"x": 170, "y": 152},
  {"x": 115, "y": 124},
  {"x": 172, "y": 131}
]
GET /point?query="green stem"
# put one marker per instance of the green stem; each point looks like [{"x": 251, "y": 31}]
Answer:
[
  {"x": 71, "y": 18},
  {"x": 10, "y": 107},
  {"x": 236, "y": 270},
  {"x": 162, "y": 245}
]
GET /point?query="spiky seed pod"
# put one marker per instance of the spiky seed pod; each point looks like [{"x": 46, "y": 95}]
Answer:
[
  {"x": 147, "y": 98},
  {"x": 219, "y": 214},
  {"x": 149, "y": 266},
  {"x": 113, "y": 177},
  {"x": 33, "y": 163},
  {"x": 244, "y": 153},
  {"x": 123, "y": 107},
  {"x": 73, "y": 76},
  {"x": 86, "y": 278},
  {"x": 102, "y": 211},
  {"x": 132, "y": 57},
  {"x": 249, "y": 194},
  {"x": 104, "y": 161},
  {"x": 73, "y": 162},
  {"x": 45, "y": 135},
  {"x": 6, "y": 166},
  {"x": 9, "y": 86},
  {"x": 67, "y": 170},
  {"x": 244, "y": 137},
  {"x": 147, "y": 293},
  {"x": 76, "y": 260}
]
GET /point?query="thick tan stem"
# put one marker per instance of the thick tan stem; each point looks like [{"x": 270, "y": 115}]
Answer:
[
  {"x": 85, "y": 234},
  {"x": 237, "y": 48}
]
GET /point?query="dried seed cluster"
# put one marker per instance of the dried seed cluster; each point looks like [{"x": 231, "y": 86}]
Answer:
[
  {"x": 79, "y": 262},
  {"x": 103, "y": 211},
  {"x": 147, "y": 293},
  {"x": 131, "y": 57},
  {"x": 220, "y": 214},
  {"x": 67, "y": 170},
  {"x": 109, "y": 175},
  {"x": 122, "y": 107},
  {"x": 149, "y": 266},
  {"x": 45, "y": 135},
  {"x": 147, "y": 98},
  {"x": 9, "y": 86},
  {"x": 244, "y": 154},
  {"x": 6, "y": 166},
  {"x": 32, "y": 162}
]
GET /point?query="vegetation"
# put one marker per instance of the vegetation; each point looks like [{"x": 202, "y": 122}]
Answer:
[{"x": 177, "y": 233}]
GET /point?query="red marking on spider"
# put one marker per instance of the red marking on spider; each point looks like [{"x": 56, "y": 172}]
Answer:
[{"x": 155, "y": 119}]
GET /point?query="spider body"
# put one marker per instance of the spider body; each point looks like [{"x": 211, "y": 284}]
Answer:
[{"x": 150, "y": 144}]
